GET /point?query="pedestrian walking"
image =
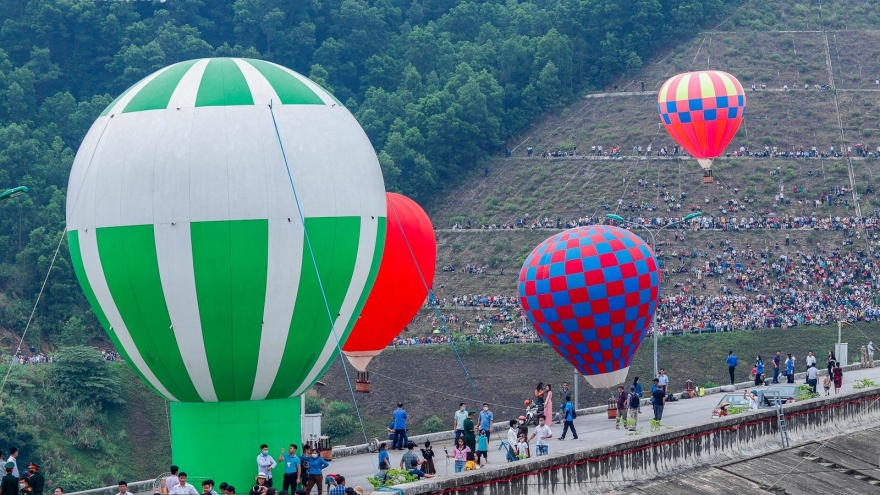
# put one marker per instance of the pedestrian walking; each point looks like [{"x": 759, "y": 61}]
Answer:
[
  {"x": 542, "y": 433},
  {"x": 731, "y": 366},
  {"x": 812, "y": 377},
  {"x": 777, "y": 359},
  {"x": 831, "y": 361},
  {"x": 633, "y": 405},
  {"x": 570, "y": 414},
  {"x": 870, "y": 353},
  {"x": 621, "y": 407},
  {"x": 838, "y": 377},
  {"x": 826, "y": 385}
]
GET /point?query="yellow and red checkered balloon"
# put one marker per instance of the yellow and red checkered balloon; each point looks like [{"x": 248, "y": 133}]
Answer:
[{"x": 702, "y": 111}]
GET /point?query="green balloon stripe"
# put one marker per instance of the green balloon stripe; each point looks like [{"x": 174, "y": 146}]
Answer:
[
  {"x": 371, "y": 278},
  {"x": 157, "y": 93},
  {"x": 223, "y": 84},
  {"x": 290, "y": 90},
  {"x": 131, "y": 269},
  {"x": 335, "y": 244},
  {"x": 230, "y": 261},
  {"x": 80, "y": 270}
]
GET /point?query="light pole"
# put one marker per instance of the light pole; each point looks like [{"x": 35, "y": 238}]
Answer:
[
  {"x": 11, "y": 193},
  {"x": 618, "y": 218}
]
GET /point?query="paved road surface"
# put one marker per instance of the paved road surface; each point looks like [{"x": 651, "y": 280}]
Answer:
[{"x": 593, "y": 429}]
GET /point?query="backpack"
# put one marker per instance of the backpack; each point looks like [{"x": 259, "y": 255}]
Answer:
[{"x": 634, "y": 401}]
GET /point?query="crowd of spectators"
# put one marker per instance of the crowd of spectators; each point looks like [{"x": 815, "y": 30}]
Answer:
[
  {"x": 858, "y": 150},
  {"x": 722, "y": 286}
]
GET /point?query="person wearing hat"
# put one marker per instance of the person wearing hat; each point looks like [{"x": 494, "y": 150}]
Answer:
[
  {"x": 9, "y": 484},
  {"x": 260, "y": 488},
  {"x": 752, "y": 397},
  {"x": 37, "y": 480},
  {"x": 470, "y": 436}
]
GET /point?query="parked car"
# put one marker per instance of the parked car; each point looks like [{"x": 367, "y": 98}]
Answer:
[
  {"x": 733, "y": 400},
  {"x": 787, "y": 394}
]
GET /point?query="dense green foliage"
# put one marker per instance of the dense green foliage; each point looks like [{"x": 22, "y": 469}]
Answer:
[
  {"x": 70, "y": 417},
  {"x": 437, "y": 84}
]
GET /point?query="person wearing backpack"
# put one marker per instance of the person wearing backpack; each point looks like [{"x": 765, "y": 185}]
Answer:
[
  {"x": 633, "y": 404},
  {"x": 570, "y": 415}
]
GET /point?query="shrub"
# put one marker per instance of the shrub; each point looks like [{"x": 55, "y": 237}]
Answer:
[
  {"x": 393, "y": 477},
  {"x": 82, "y": 374},
  {"x": 433, "y": 425}
]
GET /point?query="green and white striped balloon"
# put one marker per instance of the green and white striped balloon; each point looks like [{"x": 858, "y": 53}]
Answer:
[{"x": 186, "y": 236}]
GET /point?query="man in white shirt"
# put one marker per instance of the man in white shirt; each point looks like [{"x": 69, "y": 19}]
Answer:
[
  {"x": 458, "y": 421},
  {"x": 123, "y": 488},
  {"x": 183, "y": 488},
  {"x": 542, "y": 433},
  {"x": 512, "y": 440},
  {"x": 810, "y": 360},
  {"x": 870, "y": 353},
  {"x": 171, "y": 481},
  {"x": 13, "y": 454}
]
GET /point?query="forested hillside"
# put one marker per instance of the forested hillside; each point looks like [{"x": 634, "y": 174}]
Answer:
[{"x": 437, "y": 84}]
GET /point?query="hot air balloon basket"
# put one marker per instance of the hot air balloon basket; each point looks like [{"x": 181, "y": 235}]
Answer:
[
  {"x": 707, "y": 177},
  {"x": 325, "y": 448},
  {"x": 363, "y": 382},
  {"x": 612, "y": 408}
]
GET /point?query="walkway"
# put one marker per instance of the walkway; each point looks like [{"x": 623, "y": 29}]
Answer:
[{"x": 593, "y": 430}]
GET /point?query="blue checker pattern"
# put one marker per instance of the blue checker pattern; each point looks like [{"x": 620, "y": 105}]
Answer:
[{"x": 591, "y": 292}]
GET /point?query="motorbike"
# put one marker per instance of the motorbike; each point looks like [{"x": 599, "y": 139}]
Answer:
[{"x": 532, "y": 413}]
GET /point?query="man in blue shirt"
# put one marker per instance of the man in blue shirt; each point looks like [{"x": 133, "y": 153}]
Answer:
[
  {"x": 291, "y": 464},
  {"x": 399, "y": 416},
  {"x": 731, "y": 366},
  {"x": 486, "y": 418},
  {"x": 568, "y": 410},
  {"x": 776, "y": 361}
]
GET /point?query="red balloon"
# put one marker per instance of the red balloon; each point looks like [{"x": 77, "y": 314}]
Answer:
[{"x": 401, "y": 286}]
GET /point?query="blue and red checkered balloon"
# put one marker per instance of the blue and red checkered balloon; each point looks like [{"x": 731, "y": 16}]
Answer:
[{"x": 591, "y": 292}]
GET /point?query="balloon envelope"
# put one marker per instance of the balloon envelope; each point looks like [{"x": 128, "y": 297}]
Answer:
[
  {"x": 186, "y": 236},
  {"x": 702, "y": 111},
  {"x": 405, "y": 274},
  {"x": 591, "y": 292}
]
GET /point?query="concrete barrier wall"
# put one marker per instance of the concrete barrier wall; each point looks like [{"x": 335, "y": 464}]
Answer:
[
  {"x": 600, "y": 469},
  {"x": 344, "y": 451}
]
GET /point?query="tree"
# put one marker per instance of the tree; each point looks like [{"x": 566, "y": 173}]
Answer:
[{"x": 82, "y": 374}]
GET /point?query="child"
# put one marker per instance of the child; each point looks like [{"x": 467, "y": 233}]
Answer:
[
  {"x": 523, "y": 447},
  {"x": 470, "y": 465},
  {"x": 483, "y": 448},
  {"x": 826, "y": 384}
]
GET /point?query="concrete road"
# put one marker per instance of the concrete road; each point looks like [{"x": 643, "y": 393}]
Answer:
[{"x": 593, "y": 430}]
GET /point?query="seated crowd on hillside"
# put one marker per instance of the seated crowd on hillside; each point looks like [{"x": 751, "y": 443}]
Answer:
[
  {"x": 857, "y": 150},
  {"x": 720, "y": 287}
]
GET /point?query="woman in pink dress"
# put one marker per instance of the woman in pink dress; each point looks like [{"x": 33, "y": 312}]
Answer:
[{"x": 548, "y": 404}]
